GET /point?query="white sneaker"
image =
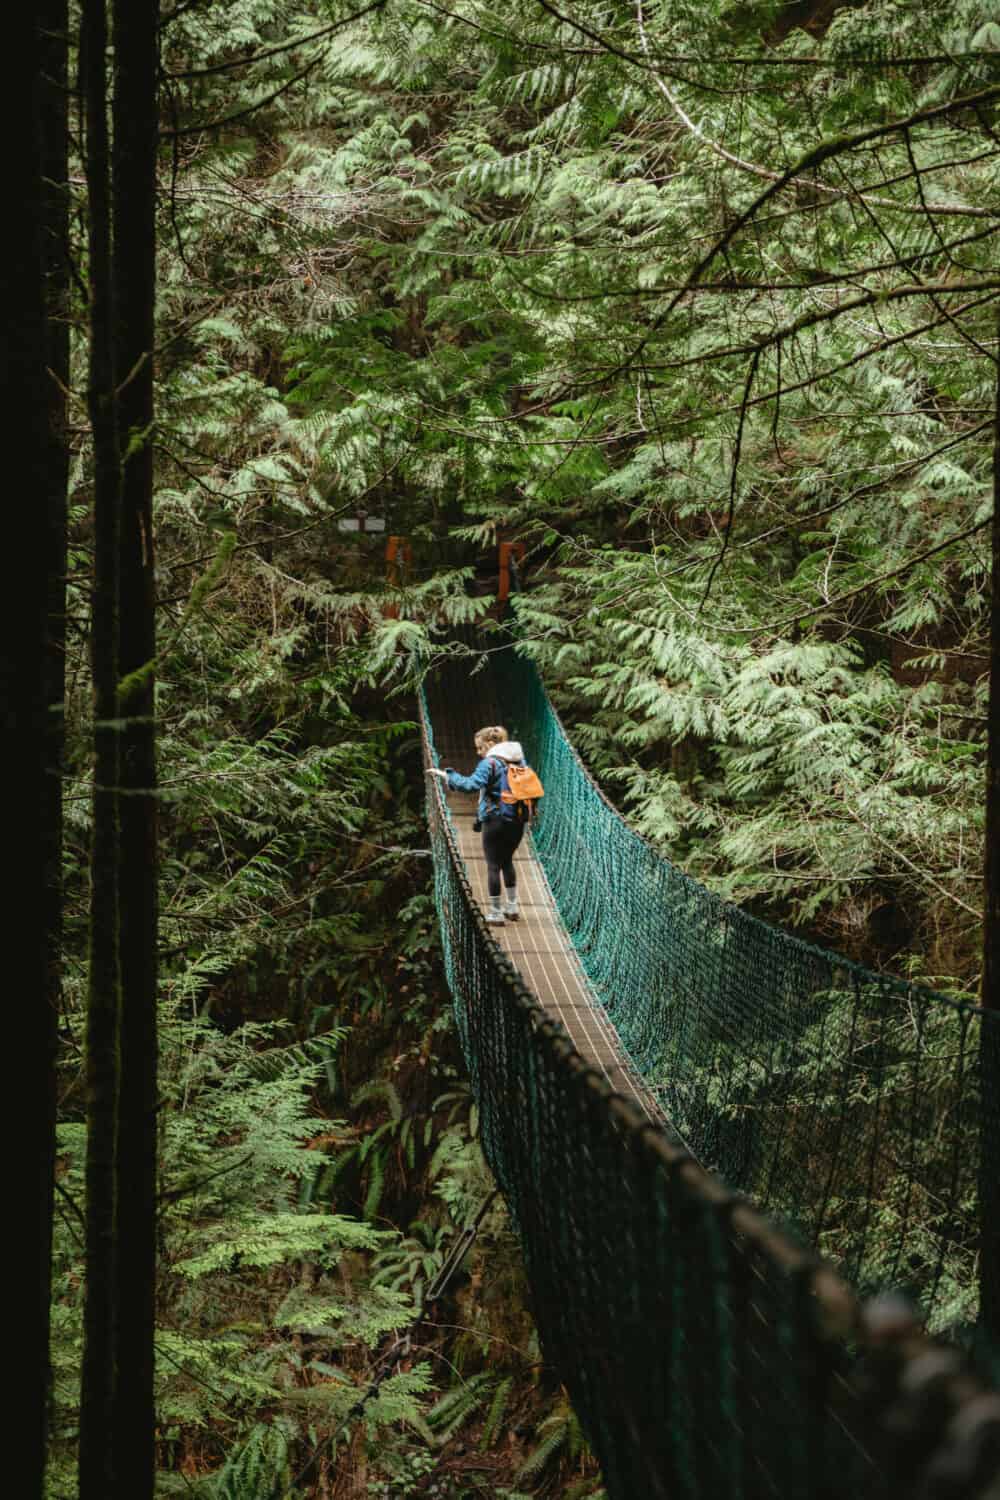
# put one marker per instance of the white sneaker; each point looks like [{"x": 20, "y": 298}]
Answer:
[
  {"x": 494, "y": 915},
  {"x": 511, "y": 910}
]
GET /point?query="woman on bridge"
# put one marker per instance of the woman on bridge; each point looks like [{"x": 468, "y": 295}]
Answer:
[{"x": 502, "y": 827}]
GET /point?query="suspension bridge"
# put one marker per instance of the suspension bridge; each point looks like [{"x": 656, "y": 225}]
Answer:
[{"x": 716, "y": 1141}]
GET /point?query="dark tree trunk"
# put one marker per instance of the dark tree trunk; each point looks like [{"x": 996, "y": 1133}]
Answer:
[
  {"x": 134, "y": 204},
  {"x": 100, "y": 1365},
  {"x": 54, "y": 23},
  {"x": 23, "y": 693},
  {"x": 989, "y": 1193}
]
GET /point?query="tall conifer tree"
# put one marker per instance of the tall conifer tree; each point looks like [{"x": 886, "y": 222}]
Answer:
[
  {"x": 24, "y": 694},
  {"x": 133, "y": 211},
  {"x": 100, "y": 1364},
  {"x": 54, "y": 26},
  {"x": 989, "y": 1188}
]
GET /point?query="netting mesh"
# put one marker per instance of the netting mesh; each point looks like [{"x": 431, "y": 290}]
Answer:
[
  {"x": 703, "y": 1352},
  {"x": 843, "y": 1101}
]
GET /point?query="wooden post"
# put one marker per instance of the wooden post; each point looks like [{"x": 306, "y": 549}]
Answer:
[
  {"x": 398, "y": 557},
  {"x": 509, "y": 551}
]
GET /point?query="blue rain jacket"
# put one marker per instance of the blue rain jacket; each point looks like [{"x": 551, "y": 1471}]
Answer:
[{"x": 489, "y": 779}]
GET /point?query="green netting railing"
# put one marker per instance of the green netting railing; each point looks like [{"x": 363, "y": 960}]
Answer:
[
  {"x": 705, "y": 1354},
  {"x": 843, "y": 1101}
]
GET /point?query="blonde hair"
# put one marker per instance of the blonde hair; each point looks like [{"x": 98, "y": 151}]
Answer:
[{"x": 493, "y": 734}]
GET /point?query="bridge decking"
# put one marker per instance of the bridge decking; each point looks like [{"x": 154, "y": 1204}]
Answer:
[{"x": 537, "y": 943}]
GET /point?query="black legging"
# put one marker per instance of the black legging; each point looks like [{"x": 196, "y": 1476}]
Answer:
[{"x": 501, "y": 837}]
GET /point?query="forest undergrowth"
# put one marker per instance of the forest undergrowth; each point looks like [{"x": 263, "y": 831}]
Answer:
[{"x": 318, "y": 1136}]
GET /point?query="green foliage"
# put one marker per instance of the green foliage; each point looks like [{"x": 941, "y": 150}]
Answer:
[
  {"x": 495, "y": 1415},
  {"x": 259, "y": 1468},
  {"x": 455, "y": 1408},
  {"x": 560, "y": 1435},
  {"x": 253, "y": 1297},
  {"x": 568, "y": 394},
  {"x": 413, "y": 1262}
]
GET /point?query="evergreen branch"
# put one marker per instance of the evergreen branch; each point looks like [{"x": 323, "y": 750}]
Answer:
[
  {"x": 72, "y": 1204},
  {"x": 942, "y": 890},
  {"x": 175, "y": 1194},
  {"x": 811, "y": 281},
  {"x": 825, "y": 150},
  {"x": 403, "y": 1343},
  {"x": 932, "y": 292},
  {"x": 755, "y": 170},
  {"x": 301, "y": 41},
  {"x": 734, "y": 471},
  {"x": 177, "y": 12},
  {"x": 874, "y": 487},
  {"x": 134, "y": 680},
  {"x": 223, "y": 1396},
  {"x": 835, "y": 146},
  {"x": 243, "y": 114},
  {"x": 829, "y": 314},
  {"x": 878, "y": 348},
  {"x": 721, "y": 60},
  {"x": 870, "y": 583},
  {"x": 855, "y": 359}
]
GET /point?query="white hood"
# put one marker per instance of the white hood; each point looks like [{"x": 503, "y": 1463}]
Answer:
[{"x": 507, "y": 750}]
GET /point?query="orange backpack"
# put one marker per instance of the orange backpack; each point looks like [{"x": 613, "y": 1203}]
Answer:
[{"x": 525, "y": 788}]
